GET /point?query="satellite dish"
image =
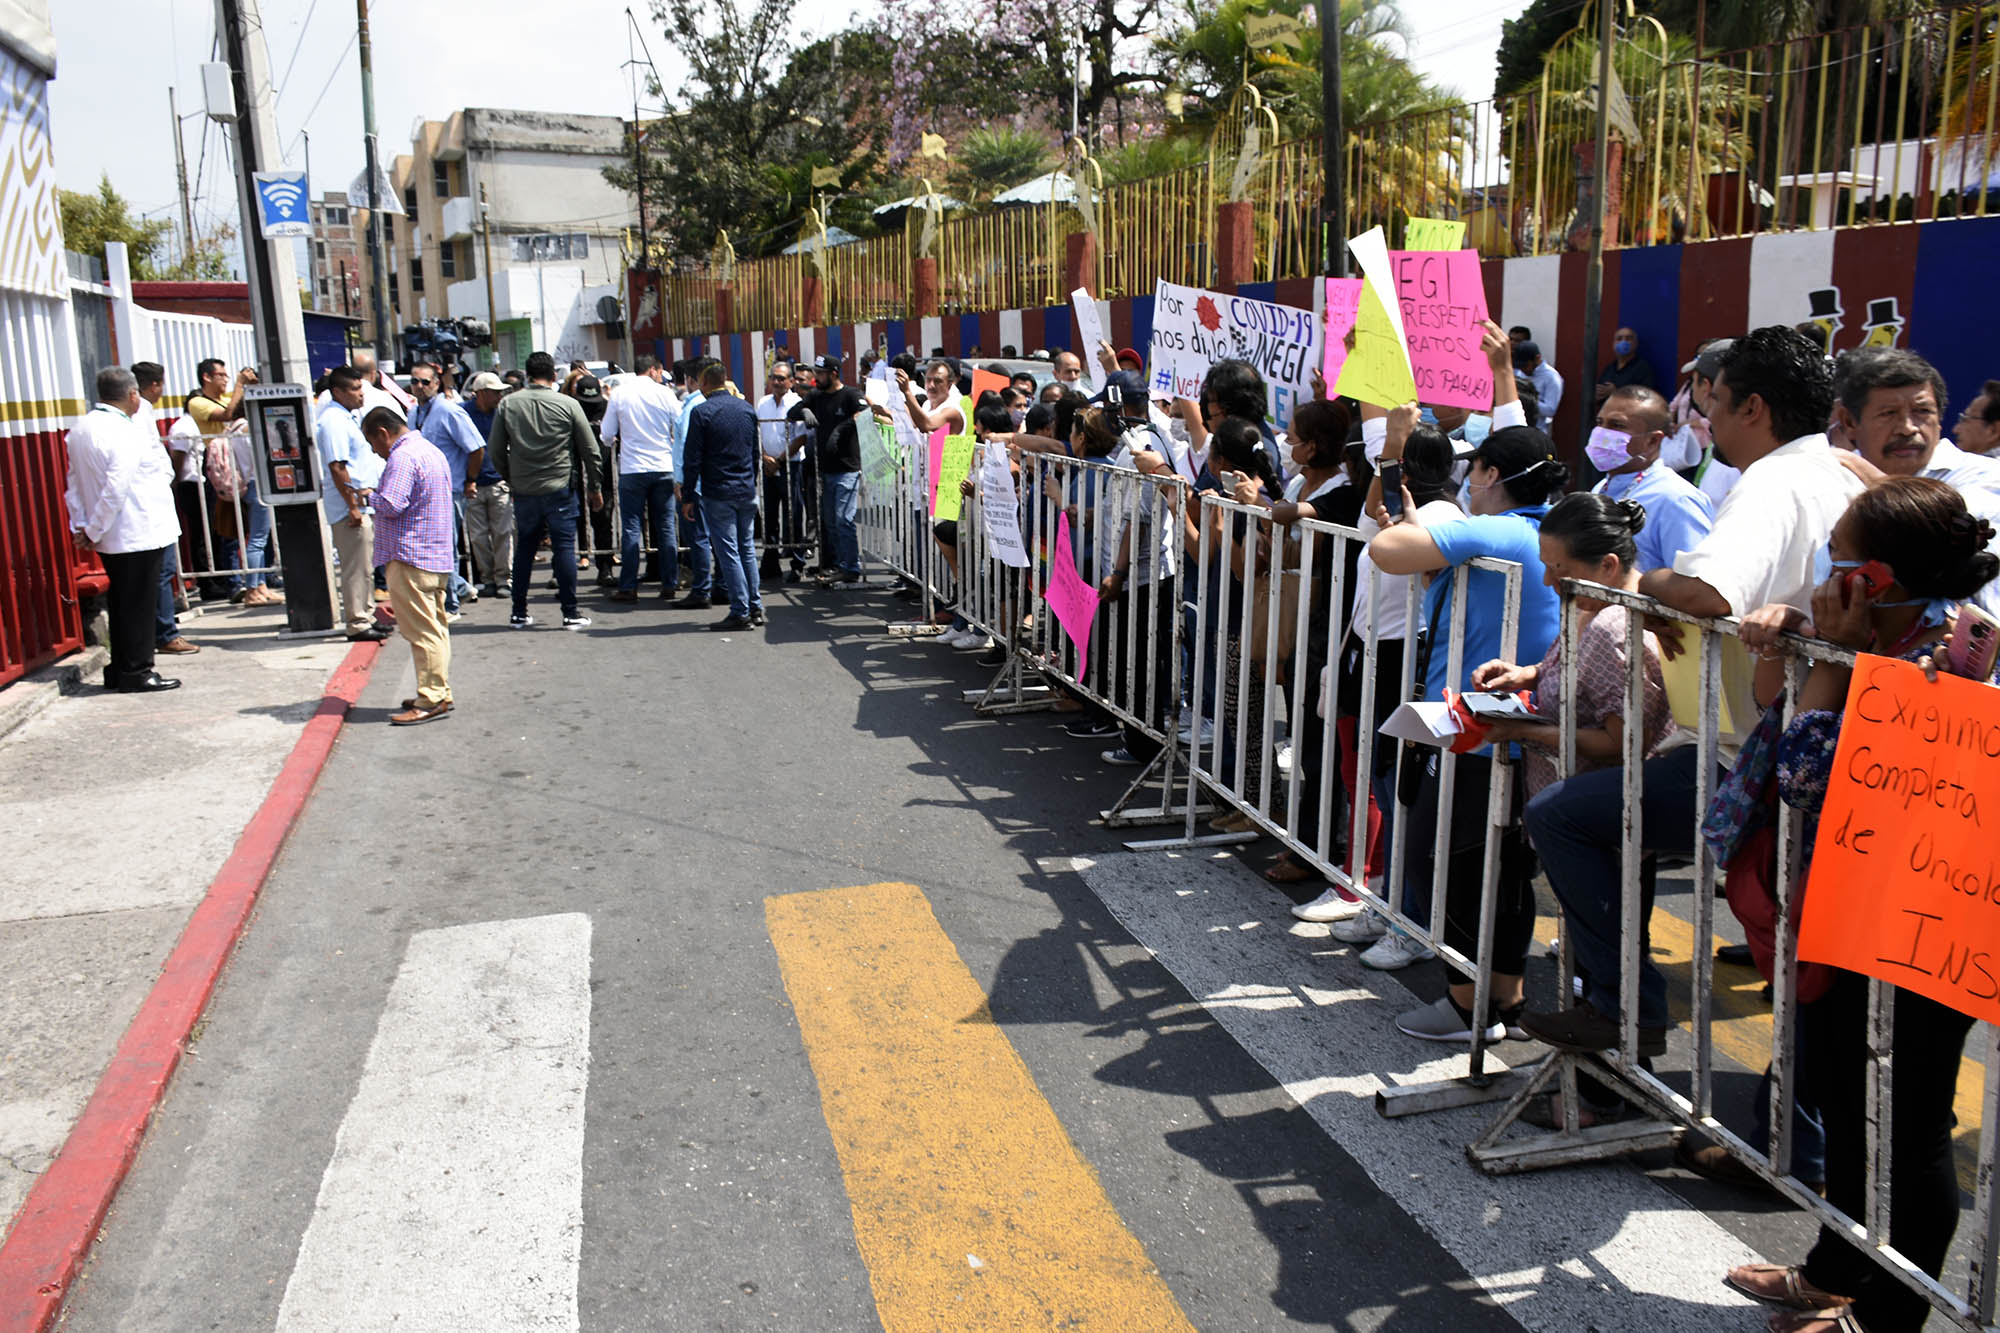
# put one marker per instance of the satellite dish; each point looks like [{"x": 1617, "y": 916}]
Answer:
[{"x": 608, "y": 309}]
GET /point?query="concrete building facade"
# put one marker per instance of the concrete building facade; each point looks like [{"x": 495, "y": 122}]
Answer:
[
  {"x": 338, "y": 260},
  {"x": 507, "y": 218}
]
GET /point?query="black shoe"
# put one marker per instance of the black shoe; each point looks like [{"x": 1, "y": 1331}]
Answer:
[
  {"x": 730, "y": 622},
  {"x": 1090, "y": 728},
  {"x": 694, "y": 601},
  {"x": 757, "y": 618},
  {"x": 152, "y": 682},
  {"x": 794, "y": 575},
  {"x": 994, "y": 656},
  {"x": 373, "y": 634},
  {"x": 1587, "y": 1031},
  {"x": 1736, "y": 955}
]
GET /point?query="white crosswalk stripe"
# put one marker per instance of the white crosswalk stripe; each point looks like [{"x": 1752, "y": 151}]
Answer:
[{"x": 454, "y": 1198}]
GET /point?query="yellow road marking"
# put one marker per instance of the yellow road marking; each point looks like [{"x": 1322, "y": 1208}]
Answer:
[
  {"x": 972, "y": 1208},
  {"x": 1742, "y": 1024}
]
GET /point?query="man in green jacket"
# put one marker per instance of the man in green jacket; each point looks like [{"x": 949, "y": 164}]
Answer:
[{"x": 539, "y": 436}]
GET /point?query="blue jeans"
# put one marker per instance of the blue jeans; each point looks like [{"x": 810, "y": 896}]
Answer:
[
  {"x": 166, "y": 626},
  {"x": 694, "y": 532},
  {"x": 732, "y": 528},
  {"x": 259, "y": 549},
  {"x": 455, "y": 586},
  {"x": 640, "y": 494},
  {"x": 534, "y": 515},
  {"x": 839, "y": 501},
  {"x": 1576, "y": 828}
]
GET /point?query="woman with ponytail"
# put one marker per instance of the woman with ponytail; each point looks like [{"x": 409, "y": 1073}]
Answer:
[
  {"x": 1244, "y": 472},
  {"x": 1936, "y": 552}
]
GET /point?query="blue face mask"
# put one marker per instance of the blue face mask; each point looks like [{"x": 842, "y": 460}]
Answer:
[
  {"x": 1824, "y": 565},
  {"x": 1623, "y": 347}
]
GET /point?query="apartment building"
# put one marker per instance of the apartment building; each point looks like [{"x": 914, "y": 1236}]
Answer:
[
  {"x": 337, "y": 264},
  {"x": 507, "y": 218}
]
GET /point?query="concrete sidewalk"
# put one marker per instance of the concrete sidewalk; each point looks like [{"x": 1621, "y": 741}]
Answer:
[{"x": 119, "y": 809}]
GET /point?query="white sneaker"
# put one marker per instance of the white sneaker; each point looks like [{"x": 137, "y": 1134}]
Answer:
[
  {"x": 1394, "y": 950},
  {"x": 973, "y": 641},
  {"x": 1365, "y": 928},
  {"x": 953, "y": 638},
  {"x": 1441, "y": 1021},
  {"x": 1207, "y": 732},
  {"x": 1285, "y": 759},
  {"x": 1333, "y": 905}
]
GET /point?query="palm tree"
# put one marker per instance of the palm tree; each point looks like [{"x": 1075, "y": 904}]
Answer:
[{"x": 992, "y": 160}]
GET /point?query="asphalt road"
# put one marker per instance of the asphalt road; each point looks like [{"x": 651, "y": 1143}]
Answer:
[{"x": 636, "y": 793}]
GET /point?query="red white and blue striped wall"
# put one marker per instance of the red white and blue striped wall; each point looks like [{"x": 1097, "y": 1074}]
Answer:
[{"x": 1926, "y": 286}]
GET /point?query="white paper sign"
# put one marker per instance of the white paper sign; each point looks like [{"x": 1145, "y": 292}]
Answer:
[
  {"x": 999, "y": 508},
  {"x": 1424, "y": 723},
  {"x": 1193, "y": 329},
  {"x": 1089, "y": 322}
]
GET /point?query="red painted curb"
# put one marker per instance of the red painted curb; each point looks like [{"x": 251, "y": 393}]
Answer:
[{"x": 59, "y": 1220}]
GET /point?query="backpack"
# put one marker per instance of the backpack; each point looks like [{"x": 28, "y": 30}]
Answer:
[{"x": 219, "y": 467}]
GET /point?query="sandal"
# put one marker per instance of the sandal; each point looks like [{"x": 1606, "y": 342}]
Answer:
[
  {"x": 1233, "y": 822},
  {"x": 1777, "y": 1284},
  {"x": 1285, "y": 870}
]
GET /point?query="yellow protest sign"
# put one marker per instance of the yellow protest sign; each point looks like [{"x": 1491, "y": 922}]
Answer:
[
  {"x": 1378, "y": 369},
  {"x": 1263, "y": 31},
  {"x": 1433, "y": 234},
  {"x": 954, "y": 465}
]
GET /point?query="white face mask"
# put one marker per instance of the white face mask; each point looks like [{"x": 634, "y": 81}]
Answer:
[{"x": 1608, "y": 449}]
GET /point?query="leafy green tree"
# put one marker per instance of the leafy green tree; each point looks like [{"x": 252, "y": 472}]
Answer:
[
  {"x": 91, "y": 220},
  {"x": 990, "y": 161}
]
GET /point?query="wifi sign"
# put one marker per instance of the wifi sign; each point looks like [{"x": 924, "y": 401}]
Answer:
[{"x": 281, "y": 204}]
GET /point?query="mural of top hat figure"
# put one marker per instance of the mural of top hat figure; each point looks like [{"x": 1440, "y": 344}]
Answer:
[
  {"x": 1885, "y": 323},
  {"x": 1826, "y": 314}
]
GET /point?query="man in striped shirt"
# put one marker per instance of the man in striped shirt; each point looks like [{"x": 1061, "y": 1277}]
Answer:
[{"x": 413, "y": 542}]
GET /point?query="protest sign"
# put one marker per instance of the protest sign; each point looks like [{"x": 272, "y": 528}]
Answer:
[
  {"x": 1905, "y": 878},
  {"x": 1377, "y": 369},
  {"x": 1090, "y": 330},
  {"x": 1433, "y": 234},
  {"x": 1193, "y": 329},
  {"x": 879, "y": 455},
  {"x": 1343, "y": 305},
  {"x": 999, "y": 509},
  {"x": 982, "y": 380},
  {"x": 954, "y": 466},
  {"x": 1442, "y": 300},
  {"x": 1073, "y": 601}
]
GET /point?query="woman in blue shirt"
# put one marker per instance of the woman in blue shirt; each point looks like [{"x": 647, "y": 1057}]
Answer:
[{"x": 1513, "y": 475}]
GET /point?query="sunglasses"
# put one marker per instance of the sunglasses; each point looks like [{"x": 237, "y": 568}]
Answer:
[{"x": 423, "y": 384}]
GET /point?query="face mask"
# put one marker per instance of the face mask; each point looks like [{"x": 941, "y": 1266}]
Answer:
[
  {"x": 1476, "y": 428},
  {"x": 1623, "y": 347},
  {"x": 1608, "y": 449},
  {"x": 1020, "y": 414},
  {"x": 1824, "y": 564}
]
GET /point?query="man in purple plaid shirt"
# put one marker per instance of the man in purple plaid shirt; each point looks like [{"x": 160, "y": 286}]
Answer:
[{"x": 413, "y": 540}]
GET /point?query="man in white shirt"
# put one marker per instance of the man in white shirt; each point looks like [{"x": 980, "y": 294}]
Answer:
[
  {"x": 121, "y": 505},
  {"x": 1892, "y": 408},
  {"x": 642, "y": 419},
  {"x": 1772, "y": 398},
  {"x": 783, "y": 444},
  {"x": 1631, "y": 426},
  {"x": 352, "y": 469}
]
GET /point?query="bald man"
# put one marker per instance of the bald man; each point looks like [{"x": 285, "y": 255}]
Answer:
[{"x": 1631, "y": 426}]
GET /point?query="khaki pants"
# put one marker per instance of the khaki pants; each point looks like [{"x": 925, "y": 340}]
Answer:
[
  {"x": 356, "y": 549},
  {"x": 418, "y": 596},
  {"x": 489, "y": 531}
]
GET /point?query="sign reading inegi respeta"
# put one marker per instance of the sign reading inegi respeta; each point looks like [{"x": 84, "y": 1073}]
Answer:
[
  {"x": 1443, "y": 301},
  {"x": 1194, "y": 328},
  {"x": 1905, "y": 877}
]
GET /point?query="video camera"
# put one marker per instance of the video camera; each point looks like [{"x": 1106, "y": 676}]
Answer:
[{"x": 445, "y": 341}]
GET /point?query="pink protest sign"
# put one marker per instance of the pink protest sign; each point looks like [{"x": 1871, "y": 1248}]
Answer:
[
  {"x": 1073, "y": 600},
  {"x": 1343, "y": 307},
  {"x": 1443, "y": 300},
  {"x": 937, "y": 439}
]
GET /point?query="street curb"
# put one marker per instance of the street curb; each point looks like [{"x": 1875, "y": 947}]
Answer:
[{"x": 58, "y": 1222}]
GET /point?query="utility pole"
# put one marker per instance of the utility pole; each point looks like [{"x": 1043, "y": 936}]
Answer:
[
  {"x": 181, "y": 171},
  {"x": 1593, "y": 286},
  {"x": 1332, "y": 144},
  {"x": 378, "y": 259},
  {"x": 312, "y": 255},
  {"x": 486, "y": 243},
  {"x": 303, "y": 549}
]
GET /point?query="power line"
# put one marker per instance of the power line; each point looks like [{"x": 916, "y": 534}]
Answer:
[
  {"x": 339, "y": 64},
  {"x": 286, "y": 82}
]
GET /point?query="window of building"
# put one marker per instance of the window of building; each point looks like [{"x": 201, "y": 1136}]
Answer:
[
  {"x": 416, "y": 274},
  {"x": 410, "y": 202},
  {"x": 556, "y": 246},
  {"x": 319, "y": 251},
  {"x": 441, "y": 179},
  {"x": 336, "y": 217},
  {"x": 325, "y": 289},
  {"x": 395, "y": 292},
  {"x": 448, "y": 260}
]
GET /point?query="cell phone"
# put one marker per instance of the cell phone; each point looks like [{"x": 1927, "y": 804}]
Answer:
[
  {"x": 1869, "y": 580},
  {"x": 1392, "y": 488},
  {"x": 1975, "y": 643},
  {"x": 1229, "y": 480}
]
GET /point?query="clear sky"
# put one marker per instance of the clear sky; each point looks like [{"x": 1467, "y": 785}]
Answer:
[{"x": 109, "y": 98}]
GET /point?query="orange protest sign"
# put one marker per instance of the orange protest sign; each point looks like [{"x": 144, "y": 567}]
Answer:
[
  {"x": 982, "y": 380},
  {"x": 1905, "y": 880}
]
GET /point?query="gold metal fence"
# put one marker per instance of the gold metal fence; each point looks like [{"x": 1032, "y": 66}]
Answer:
[{"x": 1884, "y": 122}]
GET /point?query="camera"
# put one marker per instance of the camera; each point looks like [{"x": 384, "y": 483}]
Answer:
[{"x": 445, "y": 341}]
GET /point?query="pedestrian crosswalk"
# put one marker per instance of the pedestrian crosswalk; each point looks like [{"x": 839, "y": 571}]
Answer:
[{"x": 454, "y": 1199}]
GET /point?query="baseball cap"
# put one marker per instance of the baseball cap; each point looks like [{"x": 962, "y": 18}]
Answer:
[
  {"x": 1526, "y": 354},
  {"x": 486, "y": 382},
  {"x": 1709, "y": 362},
  {"x": 588, "y": 389},
  {"x": 825, "y": 362},
  {"x": 1127, "y": 354}
]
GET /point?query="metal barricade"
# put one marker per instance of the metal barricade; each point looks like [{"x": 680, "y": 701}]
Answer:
[
  {"x": 1291, "y": 577},
  {"x": 1719, "y": 662}
]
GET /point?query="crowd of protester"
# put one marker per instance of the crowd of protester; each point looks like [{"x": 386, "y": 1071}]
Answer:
[{"x": 1770, "y": 473}]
